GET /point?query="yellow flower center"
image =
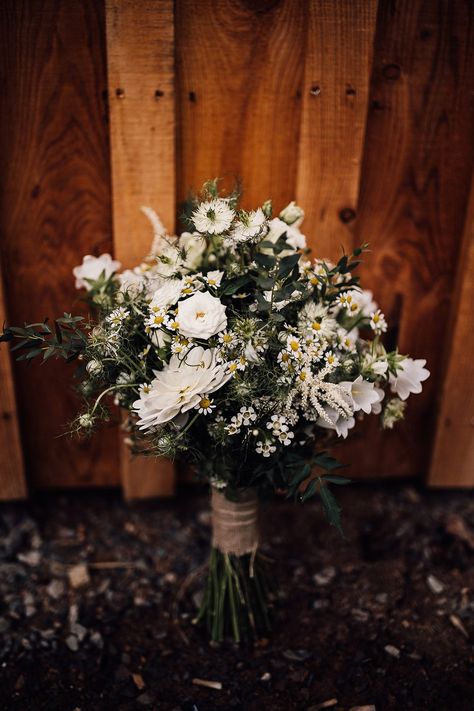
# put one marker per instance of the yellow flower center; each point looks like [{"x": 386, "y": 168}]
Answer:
[
  {"x": 294, "y": 345},
  {"x": 316, "y": 326},
  {"x": 205, "y": 402},
  {"x": 200, "y": 314},
  {"x": 232, "y": 367}
]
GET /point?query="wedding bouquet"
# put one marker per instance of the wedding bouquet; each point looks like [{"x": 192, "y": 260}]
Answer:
[{"x": 230, "y": 347}]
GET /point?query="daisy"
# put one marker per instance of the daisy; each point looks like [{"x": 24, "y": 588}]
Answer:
[
  {"x": 213, "y": 217},
  {"x": 378, "y": 324},
  {"x": 214, "y": 278},
  {"x": 205, "y": 405},
  {"x": 118, "y": 316}
]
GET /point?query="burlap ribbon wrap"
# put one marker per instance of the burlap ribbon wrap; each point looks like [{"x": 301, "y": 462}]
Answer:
[{"x": 235, "y": 523}]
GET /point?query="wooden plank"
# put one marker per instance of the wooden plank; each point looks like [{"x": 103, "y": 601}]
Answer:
[
  {"x": 335, "y": 98},
  {"x": 140, "y": 59},
  {"x": 419, "y": 157},
  {"x": 452, "y": 462},
  {"x": 239, "y": 78},
  {"x": 54, "y": 208},
  {"x": 12, "y": 474}
]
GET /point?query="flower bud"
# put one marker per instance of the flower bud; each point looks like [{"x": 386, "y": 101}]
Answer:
[{"x": 292, "y": 214}]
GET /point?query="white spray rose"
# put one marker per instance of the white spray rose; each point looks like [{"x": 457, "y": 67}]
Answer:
[
  {"x": 201, "y": 316},
  {"x": 92, "y": 268}
]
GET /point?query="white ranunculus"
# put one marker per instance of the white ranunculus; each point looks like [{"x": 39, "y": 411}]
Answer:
[
  {"x": 167, "y": 293},
  {"x": 193, "y": 245},
  {"x": 179, "y": 387},
  {"x": 92, "y": 268},
  {"x": 362, "y": 394},
  {"x": 292, "y": 214},
  {"x": 410, "y": 374},
  {"x": 201, "y": 316}
]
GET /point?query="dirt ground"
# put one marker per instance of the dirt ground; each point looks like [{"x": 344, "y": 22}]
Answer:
[{"x": 97, "y": 599}]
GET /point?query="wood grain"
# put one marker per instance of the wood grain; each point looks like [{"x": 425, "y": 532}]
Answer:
[
  {"x": 418, "y": 162},
  {"x": 335, "y": 98},
  {"x": 140, "y": 60},
  {"x": 12, "y": 474},
  {"x": 54, "y": 207},
  {"x": 452, "y": 462},
  {"x": 239, "y": 73}
]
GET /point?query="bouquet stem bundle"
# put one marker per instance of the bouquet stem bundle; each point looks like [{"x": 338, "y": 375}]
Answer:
[{"x": 236, "y": 598}]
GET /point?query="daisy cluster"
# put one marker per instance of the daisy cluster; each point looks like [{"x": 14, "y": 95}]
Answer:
[{"x": 232, "y": 345}]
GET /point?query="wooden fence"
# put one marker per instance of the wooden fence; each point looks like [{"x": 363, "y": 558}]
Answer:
[{"x": 360, "y": 110}]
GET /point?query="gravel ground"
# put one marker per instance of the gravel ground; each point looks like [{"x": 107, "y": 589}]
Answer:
[{"x": 97, "y": 599}]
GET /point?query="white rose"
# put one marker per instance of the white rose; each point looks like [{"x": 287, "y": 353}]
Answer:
[
  {"x": 201, "y": 316},
  {"x": 180, "y": 386},
  {"x": 92, "y": 268},
  {"x": 167, "y": 293},
  {"x": 194, "y": 245},
  {"x": 292, "y": 214}
]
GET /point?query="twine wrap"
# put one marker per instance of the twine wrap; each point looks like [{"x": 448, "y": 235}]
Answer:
[{"x": 235, "y": 523}]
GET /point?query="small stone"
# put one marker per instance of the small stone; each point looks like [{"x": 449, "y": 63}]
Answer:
[
  {"x": 320, "y": 604},
  {"x": 325, "y": 576},
  {"x": 266, "y": 677},
  {"x": 360, "y": 615},
  {"x": 138, "y": 681},
  {"x": 145, "y": 699},
  {"x": 73, "y": 615},
  {"x": 72, "y": 643},
  {"x": 382, "y": 599},
  {"x": 170, "y": 578},
  {"x": 435, "y": 585},
  {"x": 97, "y": 640},
  {"x": 324, "y": 705},
  {"x": 79, "y": 631},
  {"x": 205, "y": 518},
  {"x": 4, "y": 625},
  {"x": 393, "y": 651},
  {"x": 55, "y": 589},
  {"x": 370, "y": 707},
  {"x": 78, "y": 575},
  {"x": 32, "y": 558}
]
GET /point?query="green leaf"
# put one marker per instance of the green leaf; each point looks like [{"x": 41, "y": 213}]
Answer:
[
  {"x": 266, "y": 261},
  {"x": 333, "y": 479},
  {"x": 234, "y": 285},
  {"x": 265, "y": 282},
  {"x": 324, "y": 461},
  {"x": 331, "y": 507},
  {"x": 287, "y": 264}
]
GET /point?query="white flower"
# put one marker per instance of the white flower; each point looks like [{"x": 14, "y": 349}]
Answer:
[
  {"x": 94, "y": 366},
  {"x": 248, "y": 415},
  {"x": 179, "y": 387},
  {"x": 377, "y": 406},
  {"x": 349, "y": 300},
  {"x": 214, "y": 278},
  {"x": 394, "y": 411},
  {"x": 194, "y": 246},
  {"x": 201, "y": 316},
  {"x": 293, "y": 238},
  {"x": 117, "y": 316},
  {"x": 365, "y": 301},
  {"x": 92, "y": 268},
  {"x": 205, "y": 405},
  {"x": 362, "y": 394},
  {"x": 213, "y": 217},
  {"x": 234, "y": 426},
  {"x": 167, "y": 294},
  {"x": 227, "y": 338},
  {"x": 265, "y": 448},
  {"x": 160, "y": 338},
  {"x": 336, "y": 422},
  {"x": 277, "y": 424},
  {"x": 250, "y": 226},
  {"x": 285, "y": 437},
  {"x": 131, "y": 281},
  {"x": 410, "y": 374},
  {"x": 292, "y": 214},
  {"x": 378, "y": 324}
]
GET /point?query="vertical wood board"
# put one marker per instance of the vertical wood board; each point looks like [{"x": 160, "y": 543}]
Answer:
[
  {"x": 12, "y": 475},
  {"x": 337, "y": 74},
  {"x": 452, "y": 461},
  {"x": 239, "y": 77},
  {"x": 54, "y": 208},
  {"x": 419, "y": 156},
  {"x": 140, "y": 62}
]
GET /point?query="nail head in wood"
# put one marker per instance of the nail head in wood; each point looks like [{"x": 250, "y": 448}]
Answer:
[{"x": 120, "y": 93}]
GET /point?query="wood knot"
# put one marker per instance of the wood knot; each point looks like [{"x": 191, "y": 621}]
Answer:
[
  {"x": 391, "y": 72},
  {"x": 347, "y": 214},
  {"x": 315, "y": 90},
  {"x": 120, "y": 93}
]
